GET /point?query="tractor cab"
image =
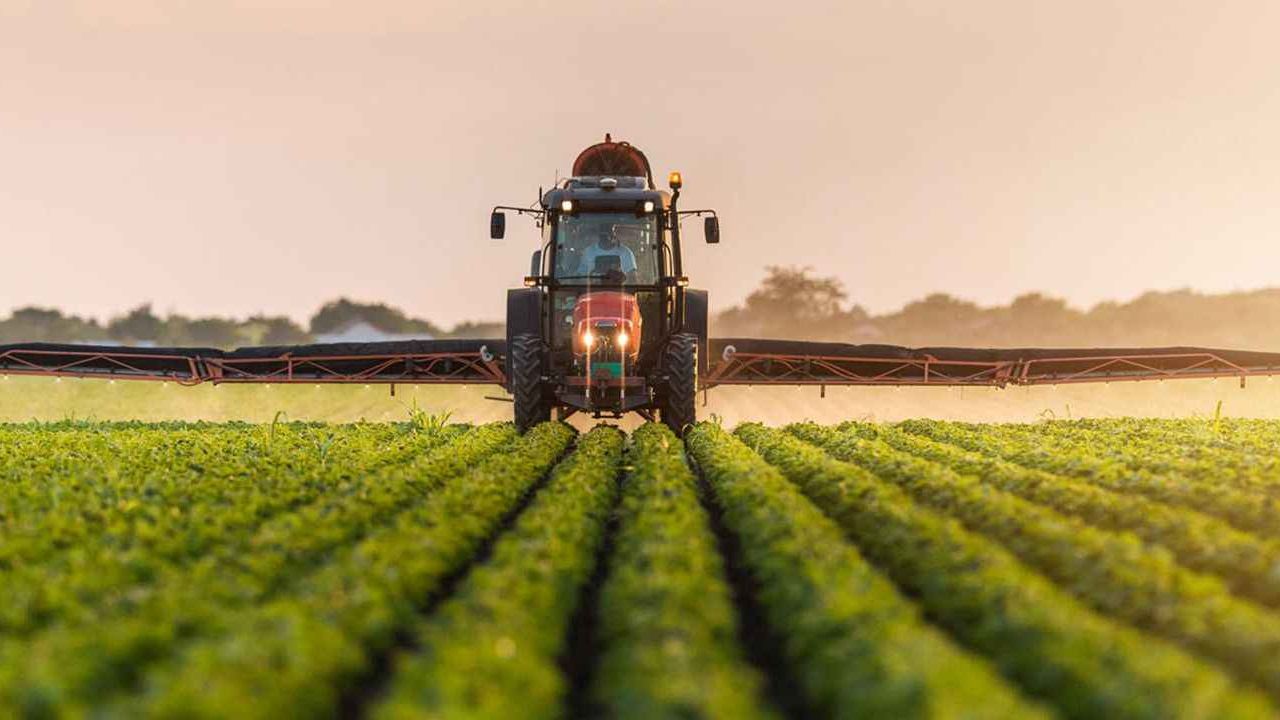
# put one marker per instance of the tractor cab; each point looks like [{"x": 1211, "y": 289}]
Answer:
[
  {"x": 605, "y": 310},
  {"x": 593, "y": 246}
]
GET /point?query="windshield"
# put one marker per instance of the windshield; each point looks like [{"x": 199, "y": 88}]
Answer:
[{"x": 607, "y": 247}]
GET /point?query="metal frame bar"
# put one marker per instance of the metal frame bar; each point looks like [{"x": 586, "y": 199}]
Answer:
[
  {"x": 758, "y": 369},
  {"x": 777, "y": 369},
  {"x": 27, "y": 363},
  {"x": 740, "y": 368},
  {"x": 441, "y": 368},
  {"x": 449, "y": 368}
]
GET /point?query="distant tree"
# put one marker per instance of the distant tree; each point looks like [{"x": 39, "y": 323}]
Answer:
[
  {"x": 277, "y": 330},
  {"x": 791, "y": 293},
  {"x": 1183, "y": 317},
  {"x": 938, "y": 319},
  {"x": 214, "y": 332},
  {"x": 138, "y": 325},
  {"x": 341, "y": 313},
  {"x": 1035, "y": 319},
  {"x": 227, "y": 333},
  {"x": 33, "y": 324},
  {"x": 176, "y": 331},
  {"x": 791, "y": 303},
  {"x": 478, "y": 330}
]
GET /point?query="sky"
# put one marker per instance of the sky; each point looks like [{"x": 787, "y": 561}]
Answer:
[{"x": 246, "y": 156}]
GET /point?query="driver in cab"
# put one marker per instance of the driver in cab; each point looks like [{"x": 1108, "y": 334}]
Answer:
[{"x": 606, "y": 254}]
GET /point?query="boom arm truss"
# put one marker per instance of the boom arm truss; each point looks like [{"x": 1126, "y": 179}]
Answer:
[
  {"x": 965, "y": 367},
  {"x": 440, "y": 362},
  {"x": 738, "y": 361}
]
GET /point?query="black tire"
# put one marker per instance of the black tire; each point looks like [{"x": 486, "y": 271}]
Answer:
[
  {"x": 525, "y": 358},
  {"x": 678, "y": 401},
  {"x": 695, "y": 323}
]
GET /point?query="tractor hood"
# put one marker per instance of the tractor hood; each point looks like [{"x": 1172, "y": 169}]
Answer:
[{"x": 606, "y": 321}]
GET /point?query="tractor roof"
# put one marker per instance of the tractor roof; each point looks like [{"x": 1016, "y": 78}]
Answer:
[{"x": 595, "y": 196}]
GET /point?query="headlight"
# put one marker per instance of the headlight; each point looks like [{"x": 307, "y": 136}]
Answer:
[
  {"x": 566, "y": 206},
  {"x": 648, "y": 206},
  {"x": 622, "y": 339},
  {"x": 588, "y": 338}
]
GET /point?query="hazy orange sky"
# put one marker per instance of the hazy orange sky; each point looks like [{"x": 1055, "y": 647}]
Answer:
[{"x": 232, "y": 157}]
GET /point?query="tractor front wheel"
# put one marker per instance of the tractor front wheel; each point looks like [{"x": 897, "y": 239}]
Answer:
[
  {"x": 525, "y": 360},
  {"x": 678, "y": 401}
]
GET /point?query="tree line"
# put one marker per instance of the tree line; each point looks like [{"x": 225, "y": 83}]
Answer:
[
  {"x": 142, "y": 326},
  {"x": 791, "y": 303}
]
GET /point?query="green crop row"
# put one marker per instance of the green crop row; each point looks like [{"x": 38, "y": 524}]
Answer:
[
  {"x": 1244, "y": 439},
  {"x": 108, "y": 645},
  {"x": 1250, "y": 565},
  {"x": 856, "y": 647},
  {"x": 159, "y": 495},
  {"x": 151, "y": 537},
  {"x": 59, "y": 489},
  {"x": 111, "y": 488},
  {"x": 1251, "y": 434},
  {"x": 1221, "y": 432},
  {"x": 1193, "y": 435},
  {"x": 106, "y": 639},
  {"x": 1242, "y": 509},
  {"x": 1086, "y": 665},
  {"x": 320, "y": 639},
  {"x": 667, "y": 623},
  {"x": 1149, "y": 449},
  {"x": 492, "y": 649},
  {"x": 1114, "y": 572},
  {"x": 1253, "y": 471}
]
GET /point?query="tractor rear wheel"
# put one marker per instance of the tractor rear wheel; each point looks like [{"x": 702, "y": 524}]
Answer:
[
  {"x": 677, "y": 404},
  {"x": 525, "y": 360}
]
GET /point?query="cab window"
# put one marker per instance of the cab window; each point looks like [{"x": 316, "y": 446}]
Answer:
[{"x": 613, "y": 248}]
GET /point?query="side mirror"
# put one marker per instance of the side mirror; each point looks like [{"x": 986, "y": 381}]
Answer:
[
  {"x": 497, "y": 225},
  {"x": 535, "y": 263},
  {"x": 711, "y": 228}
]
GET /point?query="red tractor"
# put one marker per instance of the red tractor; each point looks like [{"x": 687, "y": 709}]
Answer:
[{"x": 605, "y": 323}]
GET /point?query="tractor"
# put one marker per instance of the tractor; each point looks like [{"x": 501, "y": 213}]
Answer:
[{"x": 606, "y": 323}]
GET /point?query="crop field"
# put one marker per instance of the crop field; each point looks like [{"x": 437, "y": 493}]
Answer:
[{"x": 1101, "y": 568}]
